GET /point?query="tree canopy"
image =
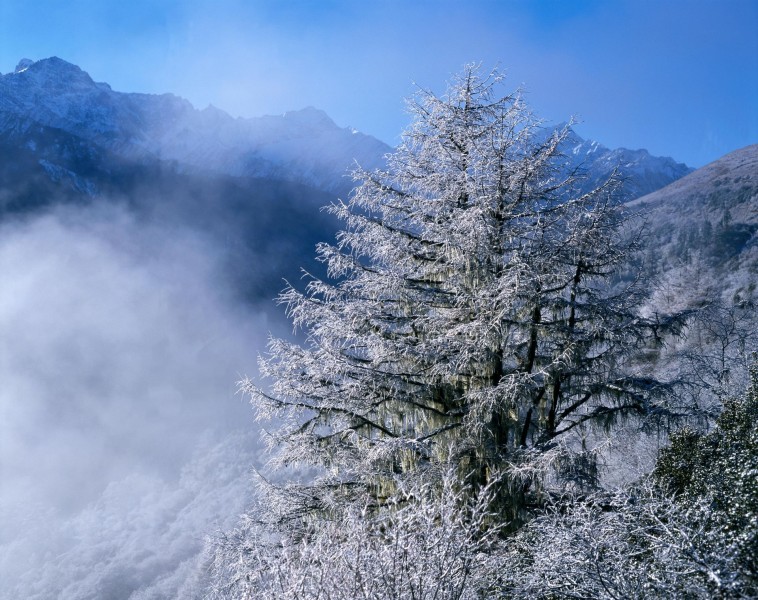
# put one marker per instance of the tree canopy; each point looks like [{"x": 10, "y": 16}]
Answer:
[{"x": 469, "y": 316}]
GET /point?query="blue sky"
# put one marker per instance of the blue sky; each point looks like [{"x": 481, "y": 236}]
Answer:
[{"x": 678, "y": 77}]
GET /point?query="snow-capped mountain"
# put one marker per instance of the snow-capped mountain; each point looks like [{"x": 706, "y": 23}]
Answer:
[
  {"x": 640, "y": 172},
  {"x": 304, "y": 146},
  {"x": 65, "y": 138}
]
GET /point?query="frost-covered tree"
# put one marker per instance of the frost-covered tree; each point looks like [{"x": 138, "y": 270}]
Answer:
[
  {"x": 690, "y": 531},
  {"x": 716, "y": 351},
  {"x": 468, "y": 319},
  {"x": 433, "y": 543},
  {"x": 634, "y": 543}
]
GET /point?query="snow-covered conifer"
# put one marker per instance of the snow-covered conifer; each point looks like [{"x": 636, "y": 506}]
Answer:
[{"x": 468, "y": 319}]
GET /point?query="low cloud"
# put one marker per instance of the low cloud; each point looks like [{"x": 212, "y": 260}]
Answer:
[{"x": 122, "y": 439}]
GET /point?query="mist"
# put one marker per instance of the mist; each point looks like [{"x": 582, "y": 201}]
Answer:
[{"x": 123, "y": 441}]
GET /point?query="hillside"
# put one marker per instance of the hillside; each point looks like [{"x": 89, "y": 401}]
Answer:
[{"x": 704, "y": 232}]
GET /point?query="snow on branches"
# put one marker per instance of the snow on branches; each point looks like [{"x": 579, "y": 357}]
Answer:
[
  {"x": 468, "y": 317},
  {"x": 472, "y": 332}
]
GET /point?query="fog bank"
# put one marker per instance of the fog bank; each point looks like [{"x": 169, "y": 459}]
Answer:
[{"x": 123, "y": 441}]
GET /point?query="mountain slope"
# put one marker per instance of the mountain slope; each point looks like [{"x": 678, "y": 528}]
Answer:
[
  {"x": 640, "y": 172},
  {"x": 704, "y": 230},
  {"x": 304, "y": 146}
]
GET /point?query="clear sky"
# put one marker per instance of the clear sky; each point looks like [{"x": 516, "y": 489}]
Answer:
[{"x": 678, "y": 77}]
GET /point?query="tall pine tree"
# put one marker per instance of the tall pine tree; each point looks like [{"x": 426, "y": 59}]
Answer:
[{"x": 468, "y": 318}]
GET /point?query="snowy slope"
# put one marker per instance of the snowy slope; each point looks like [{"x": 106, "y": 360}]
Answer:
[
  {"x": 704, "y": 233},
  {"x": 727, "y": 184}
]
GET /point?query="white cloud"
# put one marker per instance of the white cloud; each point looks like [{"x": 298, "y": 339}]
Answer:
[{"x": 122, "y": 440}]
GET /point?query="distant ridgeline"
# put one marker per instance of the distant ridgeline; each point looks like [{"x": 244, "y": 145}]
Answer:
[
  {"x": 61, "y": 127},
  {"x": 256, "y": 183}
]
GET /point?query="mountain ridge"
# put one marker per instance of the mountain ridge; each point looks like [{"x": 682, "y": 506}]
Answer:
[
  {"x": 639, "y": 171},
  {"x": 305, "y": 146}
]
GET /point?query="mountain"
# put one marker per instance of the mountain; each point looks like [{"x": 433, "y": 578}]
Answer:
[
  {"x": 640, "y": 172},
  {"x": 704, "y": 232},
  {"x": 254, "y": 185},
  {"x": 304, "y": 146}
]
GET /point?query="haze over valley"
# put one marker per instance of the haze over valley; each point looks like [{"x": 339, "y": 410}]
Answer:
[{"x": 143, "y": 242}]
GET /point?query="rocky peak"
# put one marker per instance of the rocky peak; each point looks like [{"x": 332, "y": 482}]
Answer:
[
  {"x": 23, "y": 65},
  {"x": 52, "y": 72}
]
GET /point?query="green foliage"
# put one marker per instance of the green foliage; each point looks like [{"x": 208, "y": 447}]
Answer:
[
  {"x": 677, "y": 463},
  {"x": 723, "y": 462},
  {"x": 721, "y": 467},
  {"x": 689, "y": 531}
]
